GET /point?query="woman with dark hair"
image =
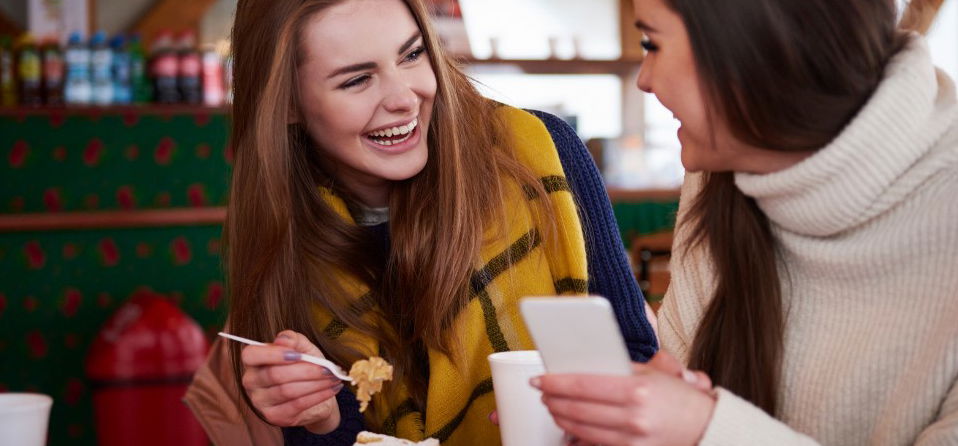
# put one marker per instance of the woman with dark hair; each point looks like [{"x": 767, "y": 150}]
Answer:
[
  {"x": 379, "y": 206},
  {"x": 814, "y": 275}
]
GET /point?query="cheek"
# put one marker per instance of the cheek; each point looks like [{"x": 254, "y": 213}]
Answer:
[{"x": 425, "y": 83}]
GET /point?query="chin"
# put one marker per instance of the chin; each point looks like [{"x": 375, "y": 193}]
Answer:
[{"x": 404, "y": 171}]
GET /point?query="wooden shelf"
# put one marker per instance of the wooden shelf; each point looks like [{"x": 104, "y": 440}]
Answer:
[
  {"x": 623, "y": 67},
  {"x": 111, "y": 219},
  {"x": 617, "y": 195}
]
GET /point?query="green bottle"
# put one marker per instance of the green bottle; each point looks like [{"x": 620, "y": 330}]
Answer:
[{"x": 142, "y": 91}]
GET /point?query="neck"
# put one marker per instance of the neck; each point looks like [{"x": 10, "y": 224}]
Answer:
[{"x": 372, "y": 196}]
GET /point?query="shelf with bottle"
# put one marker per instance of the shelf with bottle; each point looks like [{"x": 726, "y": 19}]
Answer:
[{"x": 621, "y": 67}]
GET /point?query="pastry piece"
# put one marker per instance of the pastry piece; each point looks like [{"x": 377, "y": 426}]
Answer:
[
  {"x": 368, "y": 376},
  {"x": 385, "y": 440}
]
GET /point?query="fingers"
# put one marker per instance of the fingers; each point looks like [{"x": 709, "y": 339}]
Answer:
[
  {"x": 592, "y": 388},
  {"x": 586, "y": 434},
  {"x": 297, "y": 342},
  {"x": 494, "y": 417},
  {"x": 291, "y": 413},
  {"x": 274, "y": 375},
  {"x": 284, "y": 393},
  {"x": 256, "y": 355},
  {"x": 666, "y": 363},
  {"x": 595, "y": 414}
]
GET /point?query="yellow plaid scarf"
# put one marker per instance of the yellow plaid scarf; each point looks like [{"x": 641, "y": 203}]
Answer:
[{"x": 460, "y": 398}]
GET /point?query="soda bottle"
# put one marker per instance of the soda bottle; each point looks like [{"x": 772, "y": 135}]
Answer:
[
  {"x": 213, "y": 92},
  {"x": 139, "y": 81},
  {"x": 78, "y": 89},
  {"x": 8, "y": 78},
  {"x": 190, "y": 69},
  {"x": 101, "y": 64},
  {"x": 29, "y": 71},
  {"x": 122, "y": 88},
  {"x": 54, "y": 72},
  {"x": 164, "y": 68}
]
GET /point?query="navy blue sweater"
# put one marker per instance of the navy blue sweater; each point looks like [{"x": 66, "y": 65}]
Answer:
[{"x": 609, "y": 274}]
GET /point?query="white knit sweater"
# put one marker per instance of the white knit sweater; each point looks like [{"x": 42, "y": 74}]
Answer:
[{"x": 868, "y": 232}]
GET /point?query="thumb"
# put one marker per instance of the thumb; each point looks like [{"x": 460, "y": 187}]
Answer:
[
  {"x": 297, "y": 342},
  {"x": 666, "y": 363}
]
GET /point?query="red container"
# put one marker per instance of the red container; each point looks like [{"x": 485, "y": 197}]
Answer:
[{"x": 139, "y": 367}]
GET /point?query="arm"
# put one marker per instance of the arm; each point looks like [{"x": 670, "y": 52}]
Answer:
[
  {"x": 609, "y": 272},
  {"x": 350, "y": 426}
]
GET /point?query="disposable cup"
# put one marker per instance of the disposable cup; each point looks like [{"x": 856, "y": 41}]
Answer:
[
  {"x": 523, "y": 419},
  {"x": 24, "y": 418}
]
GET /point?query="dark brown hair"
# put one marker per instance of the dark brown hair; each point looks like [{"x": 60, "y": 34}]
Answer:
[
  {"x": 783, "y": 75},
  {"x": 288, "y": 250}
]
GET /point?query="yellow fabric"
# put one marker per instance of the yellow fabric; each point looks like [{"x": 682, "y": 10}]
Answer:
[{"x": 460, "y": 398}]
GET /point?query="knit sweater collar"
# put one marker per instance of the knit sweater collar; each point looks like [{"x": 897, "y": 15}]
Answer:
[{"x": 883, "y": 154}]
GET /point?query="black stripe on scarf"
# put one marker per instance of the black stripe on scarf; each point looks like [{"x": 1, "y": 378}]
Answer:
[
  {"x": 483, "y": 277},
  {"x": 336, "y": 327},
  {"x": 571, "y": 284},
  {"x": 551, "y": 183},
  {"x": 501, "y": 262},
  {"x": 407, "y": 407},
  {"x": 481, "y": 389}
]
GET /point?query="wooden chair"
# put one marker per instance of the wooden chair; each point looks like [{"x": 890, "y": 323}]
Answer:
[{"x": 650, "y": 256}]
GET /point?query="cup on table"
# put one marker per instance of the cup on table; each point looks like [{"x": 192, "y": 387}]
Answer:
[
  {"x": 24, "y": 418},
  {"x": 523, "y": 419}
]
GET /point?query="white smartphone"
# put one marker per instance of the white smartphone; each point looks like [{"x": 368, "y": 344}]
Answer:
[{"x": 576, "y": 335}]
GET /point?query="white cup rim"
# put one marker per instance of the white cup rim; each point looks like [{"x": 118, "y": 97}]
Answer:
[
  {"x": 516, "y": 357},
  {"x": 28, "y": 402}
]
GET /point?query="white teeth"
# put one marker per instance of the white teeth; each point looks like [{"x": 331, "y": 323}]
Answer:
[{"x": 396, "y": 131}]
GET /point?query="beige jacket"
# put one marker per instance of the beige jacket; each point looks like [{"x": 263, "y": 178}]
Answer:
[{"x": 217, "y": 404}]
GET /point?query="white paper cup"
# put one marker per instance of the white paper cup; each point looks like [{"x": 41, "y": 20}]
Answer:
[
  {"x": 523, "y": 419},
  {"x": 24, "y": 418}
]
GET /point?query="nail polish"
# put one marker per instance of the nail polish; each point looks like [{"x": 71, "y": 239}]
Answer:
[{"x": 292, "y": 356}]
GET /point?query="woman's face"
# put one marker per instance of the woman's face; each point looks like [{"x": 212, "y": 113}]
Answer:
[
  {"x": 366, "y": 91},
  {"x": 669, "y": 72}
]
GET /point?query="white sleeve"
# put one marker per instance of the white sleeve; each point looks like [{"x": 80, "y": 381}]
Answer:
[{"x": 736, "y": 422}]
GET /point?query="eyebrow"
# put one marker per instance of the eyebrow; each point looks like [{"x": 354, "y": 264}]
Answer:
[
  {"x": 645, "y": 26},
  {"x": 370, "y": 65}
]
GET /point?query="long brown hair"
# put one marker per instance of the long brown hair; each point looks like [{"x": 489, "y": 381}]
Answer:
[
  {"x": 784, "y": 75},
  {"x": 287, "y": 249}
]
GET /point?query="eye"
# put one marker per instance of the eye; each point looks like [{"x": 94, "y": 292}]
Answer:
[
  {"x": 649, "y": 46},
  {"x": 355, "y": 82},
  {"x": 415, "y": 54}
]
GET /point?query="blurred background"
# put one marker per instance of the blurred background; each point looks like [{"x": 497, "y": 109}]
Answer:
[{"x": 114, "y": 117}]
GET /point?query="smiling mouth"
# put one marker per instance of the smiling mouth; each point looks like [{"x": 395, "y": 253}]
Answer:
[{"x": 393, "y": 135}]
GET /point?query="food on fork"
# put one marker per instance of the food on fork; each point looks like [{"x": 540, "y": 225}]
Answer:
[
  {"x": 368, "y": 376},
  {"x": 385, "y": 440}
]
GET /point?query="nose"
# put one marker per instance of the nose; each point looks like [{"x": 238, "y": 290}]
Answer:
[
  {"x": 399, "y": 96},
  {"x": 644, "y": 81}
]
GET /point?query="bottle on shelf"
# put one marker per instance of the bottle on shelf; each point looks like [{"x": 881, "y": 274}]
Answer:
[
  {"x": 54, "y": 72},
  {"x": 139, "y": 79},
  {"x": 29, "y": 72},
  {"x": 190, "y": 69},
  {"x": 122, "y": 86},
  {"x": 164, "y": 67},
  {"x": 213, "y": 91},
  {"x": 78, "y": 89},
  {"x": 8, "y": 77},
  {"x": 101, "y": 63}
]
